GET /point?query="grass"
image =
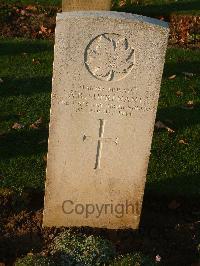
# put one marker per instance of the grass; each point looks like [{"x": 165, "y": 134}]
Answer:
[
  {"x": 174, "y": 168},
  {"x": 25, "y": 97}
]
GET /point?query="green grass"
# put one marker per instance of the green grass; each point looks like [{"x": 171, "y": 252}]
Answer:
[
  {"x": 174, "y": 168},
  {"x": 24, "y": 97}
]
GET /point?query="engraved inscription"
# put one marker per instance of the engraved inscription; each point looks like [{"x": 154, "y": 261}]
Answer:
[
  {"x": 100, "y": 141},
  {"x": 109, "y": 57},
  {"x": 107, "y": 100}
]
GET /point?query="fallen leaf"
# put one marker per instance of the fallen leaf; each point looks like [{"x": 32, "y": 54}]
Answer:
[
  {"x": 179, "y": 93},
  {"x": 17, "y": 126},
  {"x": 37, "y": 123},
  {"x": 182, "y": 141},
  {"x": 158, "y": 258},
  {"x": 161, "y": 18},
  {"x": 172, "y": 77},
  {"x": 170, "y": 130},
  {"x": 31, "y": 8},
  {"x": 161, "y": 125},
  {"x": 43, "y": 30},
  {"x": 188, "y": 74},
  {"x": 35, "y": 61},
  {"x": 30, "y": 254},
  {"x": 189, "y": 105},
  {"x": 173, "y": 205}
]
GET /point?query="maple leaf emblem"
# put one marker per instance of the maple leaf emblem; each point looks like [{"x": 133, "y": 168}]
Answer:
[{"x": 109, "y": 57}]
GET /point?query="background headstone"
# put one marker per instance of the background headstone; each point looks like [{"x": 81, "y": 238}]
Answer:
[
  {"x": 107, "y": 73},
  {"x": 75, "y": 5}
]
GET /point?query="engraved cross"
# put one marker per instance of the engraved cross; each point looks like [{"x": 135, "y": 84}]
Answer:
[{"x": 100, "y": 141}]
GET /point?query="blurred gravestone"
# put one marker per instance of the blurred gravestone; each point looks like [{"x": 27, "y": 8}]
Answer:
[{"x": 75, "y": 5}]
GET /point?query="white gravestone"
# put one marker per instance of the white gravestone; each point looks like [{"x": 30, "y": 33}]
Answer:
[{"x": 107, "y": 73}]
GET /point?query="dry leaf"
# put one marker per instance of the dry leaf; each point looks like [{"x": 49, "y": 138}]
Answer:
[
  {"x": 170, "y": 130},
  {"x": 35, "y": 61},
  {"x": 161, "y": 18},
  {"x": 161, "y": 125},
  {"x": 31, "y": 8},
  {"x": 37, "y": 123},
  {"x": 182, "y": 141},
  {"x": 158, "y": 258},
  {"x": 30, "y": 254},
  {"x": 172, "y": 77},
  {"x": 179, "y": 93},
  {"x": 17, "y": 126},
  {"x": 189, "y": 105},
  {"x": 43, "y": 30},
  {"x": 173, "y": 205}
]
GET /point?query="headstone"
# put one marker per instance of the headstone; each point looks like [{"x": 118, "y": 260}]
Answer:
[
  {"x": 107, "y": 73},
  {"x": 75, "y": 5}
]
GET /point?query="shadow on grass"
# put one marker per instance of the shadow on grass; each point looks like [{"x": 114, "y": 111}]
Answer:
[
  {"x": 184, "y": 187},
  {"x": 181, "y": 118},
  {"x": 159, "y": 10},
  {"x": 17, "y": 87},
  {"x": 23, "y": 143},
  {"x": 24, "y": 46}
]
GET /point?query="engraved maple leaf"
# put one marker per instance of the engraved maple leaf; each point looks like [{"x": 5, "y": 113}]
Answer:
[{"x": 109, "y": 57}]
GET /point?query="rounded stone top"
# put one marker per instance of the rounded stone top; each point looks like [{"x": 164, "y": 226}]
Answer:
[{"x": 78, "y": 5}]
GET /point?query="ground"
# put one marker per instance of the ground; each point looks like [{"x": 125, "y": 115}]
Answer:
[{"x": 170, "y": 220}]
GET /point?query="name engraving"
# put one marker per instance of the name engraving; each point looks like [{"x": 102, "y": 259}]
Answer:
[{"x": 107, "y": 101}]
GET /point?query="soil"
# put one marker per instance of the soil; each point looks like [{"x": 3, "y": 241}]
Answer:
[{"x": 170, "y": 229}]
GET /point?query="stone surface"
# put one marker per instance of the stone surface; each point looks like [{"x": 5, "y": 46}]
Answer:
[
  {"x": 106, "y": 82},
  {"x": 75, "y": 5}
]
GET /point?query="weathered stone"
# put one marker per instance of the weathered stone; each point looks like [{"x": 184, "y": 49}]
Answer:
[
  {"x": 106, "y": 82},
  {"x": 75, "y": 5}
]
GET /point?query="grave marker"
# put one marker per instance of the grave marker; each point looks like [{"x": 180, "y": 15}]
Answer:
[
  {"x": 75, "y": 5},
  {"x": 107, "y": 73}
]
